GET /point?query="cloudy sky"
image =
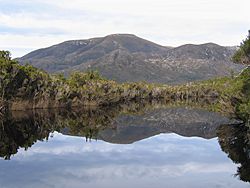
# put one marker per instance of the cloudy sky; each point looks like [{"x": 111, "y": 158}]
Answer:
[{"x": 26, "y": 25}]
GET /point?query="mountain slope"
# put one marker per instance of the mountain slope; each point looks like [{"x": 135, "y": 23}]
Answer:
[{"x": 125, "y": 57}]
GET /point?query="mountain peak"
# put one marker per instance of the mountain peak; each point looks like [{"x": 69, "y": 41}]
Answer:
[{"x": 120, "y": 35}]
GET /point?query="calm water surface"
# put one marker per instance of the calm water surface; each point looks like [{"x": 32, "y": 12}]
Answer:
[{"x": 123, "y": 147}]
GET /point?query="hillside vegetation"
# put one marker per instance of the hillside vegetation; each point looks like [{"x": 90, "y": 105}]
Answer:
[
  {"x": 242, "y": 55},
  {"x": 26, "y": 87}
]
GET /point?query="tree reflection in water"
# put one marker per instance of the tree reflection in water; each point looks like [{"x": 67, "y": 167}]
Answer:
[
  {"x": 23, "y": 129},
  {"x": 235, "y": 142},
  {"x": 20, "y": 133}
]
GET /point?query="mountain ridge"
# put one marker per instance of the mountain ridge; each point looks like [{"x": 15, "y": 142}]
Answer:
[{"x": 126, "y": 57}]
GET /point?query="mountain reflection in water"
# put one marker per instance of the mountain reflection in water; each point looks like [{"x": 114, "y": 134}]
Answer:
[{"x": 125, "y": 124}]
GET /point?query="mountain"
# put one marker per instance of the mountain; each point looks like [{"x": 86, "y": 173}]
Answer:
[{"x": 125, "y": 57}]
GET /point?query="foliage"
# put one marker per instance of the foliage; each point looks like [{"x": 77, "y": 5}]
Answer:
[
  {"x": 242, "y": 55},
  {"x": 5, "y": 56},
  {"x": 19, "y": 80},
  {"x": 47, "y": 91},
  {"x": 78, "y": 79},
  {"x": 243, "y": 108}
]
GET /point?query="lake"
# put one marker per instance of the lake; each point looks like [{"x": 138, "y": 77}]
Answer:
[{"x": 132, "y": 145}]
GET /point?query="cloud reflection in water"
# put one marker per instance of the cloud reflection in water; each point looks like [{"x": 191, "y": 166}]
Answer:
[{"x": 165, "y": 160}]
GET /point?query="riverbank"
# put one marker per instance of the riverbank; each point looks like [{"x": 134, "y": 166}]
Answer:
[{"x": 25, "y": 87}]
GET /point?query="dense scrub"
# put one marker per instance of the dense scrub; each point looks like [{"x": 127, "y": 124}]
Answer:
[
  {"x": 25, "y": 87},
  {"x": 242, "y": 55},
  {"x": 243, "y": 107}
]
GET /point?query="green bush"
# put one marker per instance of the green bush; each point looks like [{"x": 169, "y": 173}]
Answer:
[{"x": 242, "y": 55}]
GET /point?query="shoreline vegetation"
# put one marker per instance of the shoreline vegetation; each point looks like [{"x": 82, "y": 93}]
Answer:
[{"x": 26, "y": 87}]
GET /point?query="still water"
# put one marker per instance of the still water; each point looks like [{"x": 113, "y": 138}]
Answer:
[{"x": 125, "y": 146}]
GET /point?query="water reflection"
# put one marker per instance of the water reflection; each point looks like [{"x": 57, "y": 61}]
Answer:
[
  {"x": 130, "y": 151},
  {"x": 235, "y": 141},
  {"x": 121, "y": 124},
  {"x": 22, "y": 132}
]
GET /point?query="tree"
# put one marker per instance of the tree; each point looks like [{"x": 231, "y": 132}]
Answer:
[
  {"x": 5, "y": 55},
  {"x": 5, "y": 76},
  {"x": 242, "y": 55}
]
